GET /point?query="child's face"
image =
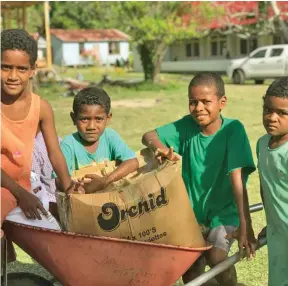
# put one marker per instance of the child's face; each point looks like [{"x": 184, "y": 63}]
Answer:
[
  {"x": 16, "y": 71},
  {"x": 275, "y": 115},
  {"x": 204, "y": 104},
  {"x": 91, "y": 121}
]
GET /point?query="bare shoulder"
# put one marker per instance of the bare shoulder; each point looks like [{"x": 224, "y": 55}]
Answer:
[{"x": 45, "y": 109}]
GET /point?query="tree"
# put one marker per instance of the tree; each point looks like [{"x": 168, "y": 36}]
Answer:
[
  {"x": 279, "y": 19},
  {"x": 248, "y": 18},
  {"x": 153, "y": 26}
]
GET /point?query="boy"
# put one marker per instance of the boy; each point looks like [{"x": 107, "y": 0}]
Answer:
[
  {"x": 272, "y": 152},
  {"x": 216, "y": 162},
  {"x": 22, "y": 113},
  {"x": 93, "y": 142}
]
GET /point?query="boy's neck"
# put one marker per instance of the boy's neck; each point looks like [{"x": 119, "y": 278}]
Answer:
[
  {"x": 277, "y": 141},
  {"x": 9, "y": 100},
  {"x": 91, "y": 147},
  {"x": 213, "y": 127}
]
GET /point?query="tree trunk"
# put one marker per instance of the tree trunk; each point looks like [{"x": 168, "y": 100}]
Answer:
[
  {"x": 146, "y": 55},
  {"x": 283, "y": 27},
  {"x": 158, "y": 60}
]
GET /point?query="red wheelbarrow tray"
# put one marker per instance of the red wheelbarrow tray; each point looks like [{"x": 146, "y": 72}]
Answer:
[{"x": 76, "y": 259}]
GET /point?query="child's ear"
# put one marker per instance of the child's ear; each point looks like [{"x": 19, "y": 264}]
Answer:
[
  {"x": 223, "y": 101},
  {"x": 73, "y": 117},
  {"x": 33, "y": 71},
  {"x": 109, "y": 116}
]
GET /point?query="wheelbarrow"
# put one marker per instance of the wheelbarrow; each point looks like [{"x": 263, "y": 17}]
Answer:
[{"x": 75, "y": 259}]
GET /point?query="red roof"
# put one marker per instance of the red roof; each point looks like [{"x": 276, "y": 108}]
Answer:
[
  {"x": 234, "y": 13},
  {"x": 89, "y": 35}
]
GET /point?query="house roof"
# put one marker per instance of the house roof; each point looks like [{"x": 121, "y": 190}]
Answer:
[{"x": 89, "y": 35}]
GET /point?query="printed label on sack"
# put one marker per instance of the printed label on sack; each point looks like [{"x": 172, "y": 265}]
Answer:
[{"x": 111, "y": 216}]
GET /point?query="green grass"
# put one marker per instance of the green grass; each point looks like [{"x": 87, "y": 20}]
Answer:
[{"x": 244, "y": 103}]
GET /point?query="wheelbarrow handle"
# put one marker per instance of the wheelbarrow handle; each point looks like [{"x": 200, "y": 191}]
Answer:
[
  {"x": 200, "y": 280},
  {"x": 256, "y": 208}
]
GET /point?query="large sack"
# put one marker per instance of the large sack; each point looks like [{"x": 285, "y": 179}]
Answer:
[{"x": 149, "y": 205}]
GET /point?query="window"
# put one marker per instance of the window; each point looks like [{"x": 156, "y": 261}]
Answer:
[
  {"x": 188, "y": 50},
  {"x": 218, "y": 46},
  {"x": 248, "y": 45},
  {"x": 260, "y": 54},
  {"x": 243, "y": 47},
  {"x": 193, "y": 49},
  {"x": 277, "y": 52},
  {"x": 114, "y": 48},
  {"x": 81, "y": 48},
  {"x": 253, "y": 44},
  {"x": 223, "y": 48},
  {"x": 277, "y": 40},
  {"x": 214, "y": 47},
  {"x": 196, "y": 49}
]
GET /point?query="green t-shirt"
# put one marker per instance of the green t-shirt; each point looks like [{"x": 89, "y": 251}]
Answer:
[
  {"x": 273, "y": 172},
  {"x": 206, "y": 164},
  {"x": 111, "y": 147}
]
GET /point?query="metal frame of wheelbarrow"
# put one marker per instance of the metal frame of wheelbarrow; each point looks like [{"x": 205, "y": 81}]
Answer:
[
  {"x": 172, "y": 254},
  {"x": 219, "y": 268}
]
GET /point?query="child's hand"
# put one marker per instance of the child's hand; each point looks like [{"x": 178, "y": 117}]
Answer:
[
  {"x": 262, "y": 233},
  {"x": 167, "y": 153},
  {"x": 30, "y": 205},
  {"x": 245, "y": 239},
  {"x": 76, "y": 187},
  {"x": 97, "y": 183}
]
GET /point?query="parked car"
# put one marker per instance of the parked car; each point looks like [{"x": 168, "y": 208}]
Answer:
[{"x": 263, "y": 63}]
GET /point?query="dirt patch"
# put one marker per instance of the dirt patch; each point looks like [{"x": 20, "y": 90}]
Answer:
[{"x": 135, "y": 103}]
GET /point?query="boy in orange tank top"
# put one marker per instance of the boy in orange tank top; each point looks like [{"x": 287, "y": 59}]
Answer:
[{"x": 22, "y": 113}]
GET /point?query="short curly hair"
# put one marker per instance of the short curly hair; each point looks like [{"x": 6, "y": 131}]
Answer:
[
  {"x": 92, "y": 96},
  {"x": 278, "y": 88},
  {"x": 208, "y": 79},
  {"x": 19, "y": 39}
]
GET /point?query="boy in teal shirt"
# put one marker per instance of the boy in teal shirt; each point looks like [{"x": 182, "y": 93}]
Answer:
[
  {"x": 93, "y": 142},
  {"x": 216, "y": 163},
  {"x": 272, "y": 152}
]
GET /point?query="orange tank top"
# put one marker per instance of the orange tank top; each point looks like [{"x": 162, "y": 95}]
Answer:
[{"x": 17, "y": 144}]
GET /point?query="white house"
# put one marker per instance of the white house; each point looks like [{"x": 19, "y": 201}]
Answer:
[
  {"x": 83, "y": 47},
  {"x": 210, "y": 53},
  {"x": 213, "y": 49}
]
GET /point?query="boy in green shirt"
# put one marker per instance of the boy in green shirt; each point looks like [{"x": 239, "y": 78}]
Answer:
[
  {"x": 272, "y": 152},
  {"x": 216, "y": 163},
  {"x": 93, "y": 142}
]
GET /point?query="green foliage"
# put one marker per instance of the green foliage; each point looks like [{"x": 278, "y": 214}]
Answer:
[
  {"x": 78, "y": 15},
  {"x": 154, "y": 26}
]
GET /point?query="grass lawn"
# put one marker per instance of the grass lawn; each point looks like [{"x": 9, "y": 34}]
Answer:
[{"x": 170, "y": 103}]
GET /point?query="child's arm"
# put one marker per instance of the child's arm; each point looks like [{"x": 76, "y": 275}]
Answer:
[
  {"x": 246, "y": 236},
  {"x": 99, "y": 183},
  {"x": 27, "y": 202},
  {"x": 152, "y": 141},
  {"x": 52, "y": 144}
]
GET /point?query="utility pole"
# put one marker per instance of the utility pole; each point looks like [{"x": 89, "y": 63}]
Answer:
[{"x": 48, "y": 37}]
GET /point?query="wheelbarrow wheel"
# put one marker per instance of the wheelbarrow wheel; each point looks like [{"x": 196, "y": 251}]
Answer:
[{"x": 26, "y": 279}]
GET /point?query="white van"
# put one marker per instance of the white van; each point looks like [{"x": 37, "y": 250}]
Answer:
[{"x": 263, "y": 63}]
